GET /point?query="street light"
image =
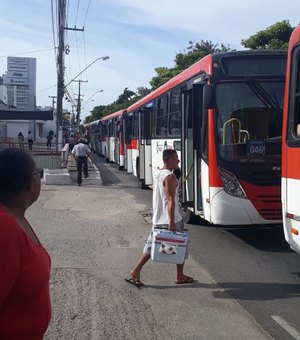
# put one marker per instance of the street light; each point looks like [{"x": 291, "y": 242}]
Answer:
[{"x": 103, "y": 58}]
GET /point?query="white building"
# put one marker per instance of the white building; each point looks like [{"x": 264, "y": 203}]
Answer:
[{"x": 20, "y": 80}]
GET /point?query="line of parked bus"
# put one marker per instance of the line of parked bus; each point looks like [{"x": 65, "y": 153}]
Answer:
[{"x": 223, "y": 115}]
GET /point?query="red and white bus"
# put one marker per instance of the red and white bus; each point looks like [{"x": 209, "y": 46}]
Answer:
[
  {"x": 112, "y": 138},
  {"x": 291, "y": 145},
  {"x": 224, "y": 117},
  {"x": 93, "y": 131}
]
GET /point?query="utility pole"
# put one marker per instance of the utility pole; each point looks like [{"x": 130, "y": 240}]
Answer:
[
  {"x": 53, "y": 101},
  {"x": 79, "y": 101},
  {"x": 60, "y": 63},
  {"x": 53, "y": 97}
]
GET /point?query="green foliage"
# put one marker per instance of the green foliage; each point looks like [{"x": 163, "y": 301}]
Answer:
[
  {"x": 275, "y": 37},
  {"x": 124, "y": 100},
  {"x": 163, "y": 74},
  {"x": 184, "y": 59},
  {"x": 125, "y": 97}
]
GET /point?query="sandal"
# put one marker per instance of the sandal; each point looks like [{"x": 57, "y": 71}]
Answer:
[
  {"x": 134, "y": 281},
  {"x": 187, "y": 279}
]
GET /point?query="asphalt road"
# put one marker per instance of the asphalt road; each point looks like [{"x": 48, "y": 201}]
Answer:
[
  {"x": 247, "y": 280},
  {"x": 254, "y": 266}
]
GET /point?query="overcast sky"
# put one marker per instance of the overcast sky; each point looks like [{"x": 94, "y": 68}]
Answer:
[{"x": 137, "y": 35}]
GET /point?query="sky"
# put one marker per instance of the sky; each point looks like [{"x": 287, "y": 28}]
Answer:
[{"x": 138, "y": 36}]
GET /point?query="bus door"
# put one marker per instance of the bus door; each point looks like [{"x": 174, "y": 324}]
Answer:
[
  {"x": 124, "y": 138},
  {"x": 291, "y": 161},
  {"x": 145, "y": 175},
  {"x": 128, "y": 141},
  {"x": 141, "y": 144},
  {"x": 191, "y": 151},
  {"x": 110, "y": 145},
  {"x": 117, "y": 141}
]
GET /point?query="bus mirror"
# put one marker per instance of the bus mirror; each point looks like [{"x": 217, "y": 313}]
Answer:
[
  {"x": 177, "y": 145},
  {"x": 207, "y": 97}
]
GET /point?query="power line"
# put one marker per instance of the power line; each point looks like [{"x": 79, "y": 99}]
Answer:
[
  {"x": 86, "y": 13},
  {"x": 78, "y": 2},
  {"x": 21, "y": 53},
  {"x": 53, "y": 31},
  {"x": 50, "y": 87}
]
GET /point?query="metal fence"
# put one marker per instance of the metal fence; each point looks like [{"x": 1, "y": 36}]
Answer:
[{"x": 45, "y": 156}]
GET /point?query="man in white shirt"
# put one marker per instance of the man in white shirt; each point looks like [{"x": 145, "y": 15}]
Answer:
[
  {"x": 30, "y": 140},
  {"x": 80, "y": 153},
  {"x": 165, "y": 213}
]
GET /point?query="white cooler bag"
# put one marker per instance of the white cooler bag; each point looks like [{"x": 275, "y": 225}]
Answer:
[{"x": 169, "y": 246}]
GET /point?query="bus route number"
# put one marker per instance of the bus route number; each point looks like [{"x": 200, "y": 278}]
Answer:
[{"x": 256, "y": 148}]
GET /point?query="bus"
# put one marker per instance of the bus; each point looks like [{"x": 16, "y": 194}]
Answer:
[
  {"x": 93, "y": 131},
  {"x": 291, "y": 145},
  {"x": 223, "y": 115},
  {"x": 112, "y": 138}
]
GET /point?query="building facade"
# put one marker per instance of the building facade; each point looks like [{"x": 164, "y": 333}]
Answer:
[{"x": 20, "y": 81}]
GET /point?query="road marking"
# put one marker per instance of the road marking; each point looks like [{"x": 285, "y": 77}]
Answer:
[{"x": 284, "y": 324}]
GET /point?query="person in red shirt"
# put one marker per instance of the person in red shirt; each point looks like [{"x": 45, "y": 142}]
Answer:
[{"x": 25, "y": 307}]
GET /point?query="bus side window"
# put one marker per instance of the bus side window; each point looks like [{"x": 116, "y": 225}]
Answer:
[
  {"x": 175, "y": 114},
  {"x": 162, "y": 114},
  {"x": 297, "y": 115},
  {"x": 297, "y": 99}
]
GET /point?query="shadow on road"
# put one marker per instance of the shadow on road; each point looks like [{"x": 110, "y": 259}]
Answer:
[
  {"x": 263, "y": 238},
  {"x": 255, "y": 291}
]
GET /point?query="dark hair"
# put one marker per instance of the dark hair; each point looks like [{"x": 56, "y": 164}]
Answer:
[
  {"x": 168, "y": 154},
  {"x": 16, "y": 170}
]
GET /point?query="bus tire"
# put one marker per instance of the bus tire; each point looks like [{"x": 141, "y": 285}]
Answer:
[
  {"x": 142, "y": 184},
  {"x": 189, "y": 217},
  {"x": 120, "y": 167}
]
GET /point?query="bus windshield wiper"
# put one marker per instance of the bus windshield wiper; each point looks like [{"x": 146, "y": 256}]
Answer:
[{"x": 264, "y": 96}]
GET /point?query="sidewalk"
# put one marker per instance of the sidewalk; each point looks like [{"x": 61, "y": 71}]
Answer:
[
  {"x": 94, "y": 174},
  {"x": 93, "y": 251}
]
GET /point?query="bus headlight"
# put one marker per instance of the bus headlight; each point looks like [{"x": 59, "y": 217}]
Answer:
[{"x": 231, "y": 184}]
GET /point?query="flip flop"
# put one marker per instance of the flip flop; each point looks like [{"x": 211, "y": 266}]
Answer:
[
  {"x": 188, "y": 279},
  {"x": 134, "y": 282}
]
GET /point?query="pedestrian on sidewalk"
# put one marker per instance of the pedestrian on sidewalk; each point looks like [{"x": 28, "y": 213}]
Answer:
[
  {"x": 165, "y": 213},
  {"x": 30, "y": 140},
  {"x": 21, "y": 140},
  {"x": 25, "y": 307},
  {"x": 49, "y": 140},
  {"x": 71, "y": 141},
  {"x": 81, "y": 152}
]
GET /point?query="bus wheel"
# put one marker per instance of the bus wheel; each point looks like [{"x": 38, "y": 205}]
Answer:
[
  {"x": 142, "y": 184},
  {"x": 120, "y": 167},
  {"x": 189, "y": 217}
]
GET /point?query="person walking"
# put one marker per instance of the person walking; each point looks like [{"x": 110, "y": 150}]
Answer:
[
  {"x": 80, "y": 153},
  {"x": 25, "y": 306},
  {"x": 71, "y": 141},
  {"x": 21, "y": 140},
  {"x": 165, "y": 214},
  {"x": 49, "y": 140},
  {"x": 30, "y": 140}
]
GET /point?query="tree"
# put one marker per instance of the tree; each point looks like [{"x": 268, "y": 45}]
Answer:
[
  {"x": 142, "y": 91},
  {"x": 274, "y": 37},
  {"x": 97, "y": 113},
  {"x": 184, "y": 59},
  {"x": 124, "y": 100},
  {"x": 125, "y": 97}
]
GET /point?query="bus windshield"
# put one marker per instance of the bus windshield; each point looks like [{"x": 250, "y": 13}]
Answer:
[{"x": 249, "y": 119}]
